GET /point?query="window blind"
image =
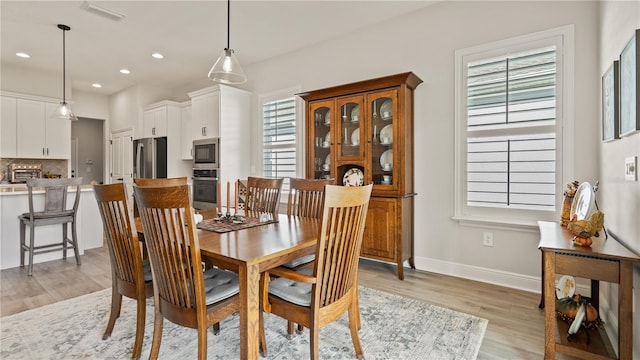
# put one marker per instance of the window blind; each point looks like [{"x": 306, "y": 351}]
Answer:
[
  {"x": 279, "y": 139},
  {"x": 511, "y": 140}
]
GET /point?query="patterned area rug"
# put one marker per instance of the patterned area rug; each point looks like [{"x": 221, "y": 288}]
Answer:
[{"x": 393, "y": 327}]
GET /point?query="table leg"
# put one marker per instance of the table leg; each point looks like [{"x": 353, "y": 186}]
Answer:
[
  {"x": 625, "y": 307},
  {"x": 549, "y": 305},
  {"x": 249, "y": 278}
]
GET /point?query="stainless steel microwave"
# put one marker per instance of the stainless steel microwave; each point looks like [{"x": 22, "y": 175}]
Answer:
[{"x": 206, "y": 153}]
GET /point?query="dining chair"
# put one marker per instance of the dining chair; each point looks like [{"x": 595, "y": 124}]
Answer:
[
  {"x": 318, "y": 296},
  {"x": 306, "y": 199},
  {"x": 263, "y": 195},
  {"x": 160, "y": 182},
  {"x": 130, "y": 274},
  {"x": 54, "y": 211},
  {"x": 183, "y": 293}
]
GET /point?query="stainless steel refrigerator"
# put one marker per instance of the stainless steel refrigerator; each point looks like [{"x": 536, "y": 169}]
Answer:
[{"x": 150, "y": 158}]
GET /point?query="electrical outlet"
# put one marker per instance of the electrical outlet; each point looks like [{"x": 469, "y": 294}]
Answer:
[
  {"x": 487, "y": 238},
  {"x": 631, "y": 168}
]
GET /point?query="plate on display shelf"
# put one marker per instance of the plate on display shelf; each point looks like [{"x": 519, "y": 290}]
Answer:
[
  {"x": 327, "y": 140},
  {"x": 327, "y": 160},
  {"x": 385, "y": 110},
  {"x": 355, "y": 137},
  {"x": 584, "y": 202},
  {"x": 386, "y": 135},
  {"x": 327, "y": 117},
  {"x": 566, "y": 287},
  {"x": 353, "y": 177},
  {"x": 355, "y": 113},
  {"x": 386, "y": 158}
]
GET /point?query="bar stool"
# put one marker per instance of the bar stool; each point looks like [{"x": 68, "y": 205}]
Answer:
[{"x": 55, "y": 212}]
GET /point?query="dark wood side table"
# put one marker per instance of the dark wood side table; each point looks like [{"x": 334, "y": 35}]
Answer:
[{"x": 605, "y": 260}]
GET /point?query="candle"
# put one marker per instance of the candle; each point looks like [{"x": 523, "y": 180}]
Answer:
[
  {"x": 236, "y": 198},
  {"x": 228, "y": 197},
  {"x": 219, "y": 199}
]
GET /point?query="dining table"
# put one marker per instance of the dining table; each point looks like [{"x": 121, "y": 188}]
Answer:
[{"x": 250, "y": 252}]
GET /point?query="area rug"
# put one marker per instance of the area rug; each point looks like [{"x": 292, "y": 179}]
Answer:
[{"x": 393, "y": 327}]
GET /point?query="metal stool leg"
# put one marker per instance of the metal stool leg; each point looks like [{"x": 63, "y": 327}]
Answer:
[
  {"x": 31, "y": 247},
  {"x": 22, "y": 243},
  {"x": 64, "y": 240},
  {"x": 74, "y": 236}
]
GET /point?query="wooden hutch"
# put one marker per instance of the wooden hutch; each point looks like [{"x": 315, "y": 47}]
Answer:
[{"x": 362, "y": 133}]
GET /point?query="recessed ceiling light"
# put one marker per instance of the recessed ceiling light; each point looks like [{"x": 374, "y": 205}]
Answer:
[
  {"x": 23, "y": 55},
  {"x": 157, "y": 55},
  {"x": 125, "y": 71},
  {"x": 96, "y": 85}
]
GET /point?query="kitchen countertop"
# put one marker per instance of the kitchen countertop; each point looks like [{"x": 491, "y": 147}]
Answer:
[{"x": 21, "y": 189}]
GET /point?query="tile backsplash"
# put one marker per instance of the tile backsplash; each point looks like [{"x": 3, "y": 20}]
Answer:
[{"x": 48, "y": 166}]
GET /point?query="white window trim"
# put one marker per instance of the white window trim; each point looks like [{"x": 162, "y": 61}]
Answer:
[
  {"x": 565, "y": 107},
  {"x": 300, "y": 127}
]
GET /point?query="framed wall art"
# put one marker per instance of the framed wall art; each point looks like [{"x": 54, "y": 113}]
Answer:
[
  {"x": 610, "y": 113},
  {"x": 629, "y": 84}
]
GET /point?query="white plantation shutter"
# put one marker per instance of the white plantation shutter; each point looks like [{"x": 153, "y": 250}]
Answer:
[
  {"x": 279, "y": 139},
  {"x": 511, "y": 139}
]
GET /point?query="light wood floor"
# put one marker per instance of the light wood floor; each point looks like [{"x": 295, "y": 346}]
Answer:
[{"x": 515, "y": 330}]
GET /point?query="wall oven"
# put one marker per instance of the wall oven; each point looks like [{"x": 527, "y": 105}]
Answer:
[
  {"x": 205, "y": 188},
  {"x": 206, "y": 153}
]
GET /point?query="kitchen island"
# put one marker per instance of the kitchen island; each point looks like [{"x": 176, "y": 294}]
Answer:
[{"x": 14, "y": 200}]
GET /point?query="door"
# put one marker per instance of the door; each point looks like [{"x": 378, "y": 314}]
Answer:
[{"x": 121, "y": 154}]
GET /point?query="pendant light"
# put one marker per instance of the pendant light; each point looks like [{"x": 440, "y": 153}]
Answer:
[
  {"x": 64, "y": 110},
  {"x": 227, "y": 69}
]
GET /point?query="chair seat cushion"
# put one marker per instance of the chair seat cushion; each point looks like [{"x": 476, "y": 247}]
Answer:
[
  {"x": 299, "y": 261},
  {"x": 292, "y": 291},
  {"x": 219, "y": 285}
]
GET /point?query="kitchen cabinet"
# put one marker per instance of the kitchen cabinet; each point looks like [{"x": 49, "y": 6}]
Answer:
[
  {"x": 8, "y": 128},
  {"x": 224, "y": 112},
  {"x": 362, "y": 133},
  {"x": 38, "y": 134},
  {"x": 157, "y": 116},
  {"x": 185, "y": 131}
]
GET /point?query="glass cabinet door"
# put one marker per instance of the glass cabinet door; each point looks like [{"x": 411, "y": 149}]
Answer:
[
  {"x": 351, "y": 128},
  {"x": 382, "y": 107},
  {"x": 321, "y": 138}
]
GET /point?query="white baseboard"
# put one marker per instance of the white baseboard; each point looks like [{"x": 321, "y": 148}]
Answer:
[{"x": 491, "y": 276}]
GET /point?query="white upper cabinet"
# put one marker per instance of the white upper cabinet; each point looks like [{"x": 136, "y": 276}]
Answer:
[
  {"x": 8, "y": 128},
  {"x": 185, "y": 131},
  {"x": 39, "y": 135},
  {"x": 155, "y": 119}
]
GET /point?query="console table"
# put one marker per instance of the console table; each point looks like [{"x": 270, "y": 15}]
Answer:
[{"x": 606, "y": 260}]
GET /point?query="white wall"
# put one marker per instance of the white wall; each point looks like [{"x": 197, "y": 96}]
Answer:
[
  {"x": 619, "y": 199},
  {"x": 424, "y": 42}
]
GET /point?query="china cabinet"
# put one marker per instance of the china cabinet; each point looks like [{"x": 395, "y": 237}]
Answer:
[{"x": 362, "y": 133}]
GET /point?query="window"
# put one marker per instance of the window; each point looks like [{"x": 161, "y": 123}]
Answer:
[
  {"x": 279, "y": 139},
  {"x": 509, "y": 129}
]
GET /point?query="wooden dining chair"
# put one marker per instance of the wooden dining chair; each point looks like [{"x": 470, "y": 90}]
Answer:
[
  {"x": 263, "y": 195},
  {"x": 160, "y": 182},
  {"x": 54, "y": 211},
  {"x": 183, "y": 293},
  {"x": 316, "y": 297},
  {"x": 130, "y": 274}
]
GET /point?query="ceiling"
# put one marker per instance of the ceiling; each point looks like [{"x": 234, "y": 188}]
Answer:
[{"x": 190, "y": 35}]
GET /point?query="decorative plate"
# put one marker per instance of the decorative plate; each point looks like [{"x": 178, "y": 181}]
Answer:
[
  {"x": 327, "y": 138},
  {"x": 327, "y": 117},
  {"x": 566, "y": 287},
  {"x": 584, "y": 202},
  {"x": 327, "y": 160},
  {"x": 386, "y": 133},
  {"x": 386, "y": 106},
  {"x": 353, "y": 177},
  {"x": 386, "y": 158},
  {"x": 355, "y": 137},
  {"x": 355, "y": 113}
]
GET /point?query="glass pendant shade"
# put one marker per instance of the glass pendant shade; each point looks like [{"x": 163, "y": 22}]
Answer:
[
  {"x": 227, "y": 69},
  {"x": 64, "y": 112}
]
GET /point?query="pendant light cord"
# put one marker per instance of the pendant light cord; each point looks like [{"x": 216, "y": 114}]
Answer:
[
  {"x": 64, "y": 68},
  {"x": 228, "y": 23}
]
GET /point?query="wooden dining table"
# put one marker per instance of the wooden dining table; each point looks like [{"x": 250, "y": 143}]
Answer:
[{"x": 250, "y": 252}]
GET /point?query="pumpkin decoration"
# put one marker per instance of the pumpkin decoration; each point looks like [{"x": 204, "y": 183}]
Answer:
[{"x": 578, "y": 312}]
